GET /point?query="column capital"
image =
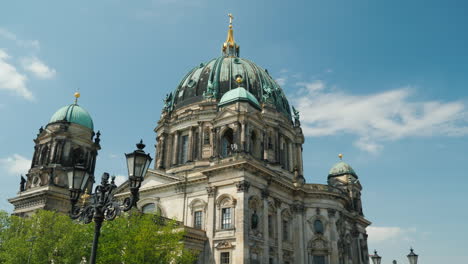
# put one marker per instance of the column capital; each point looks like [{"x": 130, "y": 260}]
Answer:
[
  {"x": 243, "y": 186},
  {"x": 211, "y": 190}
]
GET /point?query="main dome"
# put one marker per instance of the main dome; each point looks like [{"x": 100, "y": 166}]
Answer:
[
  {"x": 74, "y": 114},
  {"x": 218, "y": 76}
]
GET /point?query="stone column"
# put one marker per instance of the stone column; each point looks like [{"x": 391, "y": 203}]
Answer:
[
  {"x": 280, "y": 233},
  {"x": 266, "y": 235},
  {"x": 299, "y": 255},
  {"x": 200, "y": 141},
  {"x": 190, "y": 145},
  {"x": 290, "y": 156},
  {"x": 241, "y": 224},
  {"x": 334, "y": 258},
  {"x": 211, "y": 222},
  {"x": 242, "y": 137},
  {"x": 175, "y": 148},
  {"x": 299, "y": 158}
]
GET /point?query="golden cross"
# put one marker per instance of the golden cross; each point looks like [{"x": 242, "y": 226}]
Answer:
[{"x": 230, "y": 18}]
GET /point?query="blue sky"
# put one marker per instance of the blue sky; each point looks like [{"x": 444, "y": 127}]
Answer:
[{"x": 383, "y": 82}]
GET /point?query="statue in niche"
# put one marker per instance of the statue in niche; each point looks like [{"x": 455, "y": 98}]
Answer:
[
  {"x": 22, "y": 184},
  {"x": 254, "y": 220}
]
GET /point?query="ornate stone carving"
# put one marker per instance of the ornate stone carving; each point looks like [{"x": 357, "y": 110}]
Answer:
[
  {"x": 298, "y": 207},
  {"x": 265, "y": 193},
  {"x": 224, "y": 245},
  {"x": 243, "y": 186},
  {"x": 331, "y": 212},
  {"x": 211, "y": 191},
  {"x": 277, "y": 202}
]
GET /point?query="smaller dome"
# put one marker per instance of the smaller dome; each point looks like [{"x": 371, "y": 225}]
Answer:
[
  {"x": 74, "y": 114},
  {"x": 239, "y": 94},
  {"x": 341, "y": 168}
]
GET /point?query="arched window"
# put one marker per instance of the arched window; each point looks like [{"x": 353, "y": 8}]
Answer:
[
  {"x": 151, "y": 208},
  {"x": 253, "y": 143},
  {"x": 318, "y": 226},
  {"x": 226, "y": 141},
  {"x": 148, "y": 208},
  {"x": 226, "y": 206}
]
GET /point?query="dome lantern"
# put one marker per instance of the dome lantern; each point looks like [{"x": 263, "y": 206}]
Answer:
[{"x": 230, "y": 48}]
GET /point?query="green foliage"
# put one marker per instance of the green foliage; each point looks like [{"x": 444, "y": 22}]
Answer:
[{"x": 48, "y": 236}]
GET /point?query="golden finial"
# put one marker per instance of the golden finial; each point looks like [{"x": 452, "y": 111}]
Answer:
[
  {"x": 340, "y": 156},
  {"x": 230, "y": 37},
  {"x": 77, "y": 95},
  {"x": 239, "y": 79}
]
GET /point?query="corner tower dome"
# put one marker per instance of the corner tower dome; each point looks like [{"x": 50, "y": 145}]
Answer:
[
  {"x": 73, "y": 113},
  {"x": 341, "y": 168},
  {"x": 215, "y": 78}
]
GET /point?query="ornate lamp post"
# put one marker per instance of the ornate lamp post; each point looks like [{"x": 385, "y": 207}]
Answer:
[
  {"x": 413, "y": 258},
  {"x": 102, "y": 205},
  {"x": 376, "y": 259}
]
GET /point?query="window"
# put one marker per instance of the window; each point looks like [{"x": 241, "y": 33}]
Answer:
[
  {"x": 226, "y": 142},
  {"x": 271, "y": 261},
  {"x": 226, "y": 218},
  {"x": 285, "y": 230},
  {"x": 184, "y": 150},
  {"x": 206, "y": 137},
  {"x": 318, "y": 260},
  {"x": 225, "y": 258},
  {"x": 149, "y": 208},
  {"x": 197, "y": 219},
  {"x": 318, "y": 226}
]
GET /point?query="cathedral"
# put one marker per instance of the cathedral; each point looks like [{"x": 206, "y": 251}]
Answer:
[{"x": 228, "y": 166}]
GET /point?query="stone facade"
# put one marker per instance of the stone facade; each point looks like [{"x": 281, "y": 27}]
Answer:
[{"x": 249, "y": 196}]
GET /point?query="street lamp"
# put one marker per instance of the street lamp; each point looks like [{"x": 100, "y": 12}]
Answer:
[
  {"x": 77, "y": 180},
  {"x": 103, "y": 205},
  {"x": 413, "y": 258},
  {"x": 376, "y": 259}
]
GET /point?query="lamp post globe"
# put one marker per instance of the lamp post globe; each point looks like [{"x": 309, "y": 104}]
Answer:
[
  {"x": 412, "y": 257},
  {"x": 137, "y": 164},
  {"x": 78, "y": 178},
  {"x": 376, "y": 259}
]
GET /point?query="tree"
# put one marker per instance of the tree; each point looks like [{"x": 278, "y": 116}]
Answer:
[{"x": 50, "y": 237}]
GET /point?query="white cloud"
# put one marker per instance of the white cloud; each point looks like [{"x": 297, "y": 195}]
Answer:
[
  {"x": 376, "y": 118},
  {"x": 119, "y": 179},
  {"x": 16, "y": 164},
  {"x": 378, "y": 234},
  {"x": 38, "y": 68},
  {"x": 11, "y": 79},
  {"x": 4, "y": 33}
]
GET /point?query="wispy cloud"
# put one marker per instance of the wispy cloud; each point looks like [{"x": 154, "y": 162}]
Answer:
[
  {"x": 4, "y": 33},
  {"x": 11, "y": 80},
  {"x": 15, "y": 164},
  {"x": 38, "y": 68},
  {"x": 378, "y": 234},
  {"x": 376, "y": 118}
]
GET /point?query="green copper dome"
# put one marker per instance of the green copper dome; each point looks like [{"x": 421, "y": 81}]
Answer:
[
  {"x": 341, "y": 168},
  {"x": 217, "y": 77},
  {"x": 74, "y": 114},
  {"x": 239, "y": 94}
]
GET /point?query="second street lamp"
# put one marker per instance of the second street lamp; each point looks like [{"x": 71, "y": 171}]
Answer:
[
  {"x": 103, "y": 205},
  {"x": 376, "y": 259},
  {"x": 413, "y": 258}
]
